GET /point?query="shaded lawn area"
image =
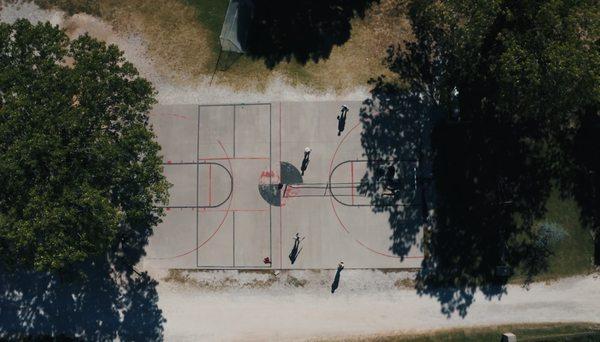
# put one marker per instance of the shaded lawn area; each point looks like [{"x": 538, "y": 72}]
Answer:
[
  {"x": 211, "y": 14},
  {"x": 574, "y": 254},
  {"x": 524, "y": 332}
]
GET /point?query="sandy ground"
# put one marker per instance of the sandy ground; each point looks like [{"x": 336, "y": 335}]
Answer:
[{"x": 287, "y": 313}]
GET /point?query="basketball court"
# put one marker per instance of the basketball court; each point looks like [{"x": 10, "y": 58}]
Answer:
[{"x": 228, "y": 210}]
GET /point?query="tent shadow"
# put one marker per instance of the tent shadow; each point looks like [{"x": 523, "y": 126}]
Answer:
[{"x": 302, "y": 30}]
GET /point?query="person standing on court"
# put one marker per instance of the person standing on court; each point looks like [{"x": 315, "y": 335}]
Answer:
[
  {"x": 390, "y": 178},
  {"x": 305, "y": 160},
  {"x": 342, "y": 119},
  {"x": 336, "y": 280}
]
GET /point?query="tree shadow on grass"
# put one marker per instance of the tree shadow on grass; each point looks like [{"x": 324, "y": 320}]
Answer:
[
  {"x": 104, "y": 299},
  {"x": 305, "y": 29},
  {"x": 479, "y": 190},
  {"x": 584, "y": 180}
]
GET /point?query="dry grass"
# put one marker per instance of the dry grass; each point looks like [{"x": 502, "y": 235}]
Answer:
[
  {"x": 575, "y": 331},
  {"x": 361, "y": 57},
  {"x": 295, "y": 282},
  {"x": 183, "y": 48},
  {"x": 183, "y": 278},
  {"x": 175, "y": 40},
  {"x": 349, "y": 65},
  {"x": 405, "y": 283}
]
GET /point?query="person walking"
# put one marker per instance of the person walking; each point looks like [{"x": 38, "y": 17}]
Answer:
[
  {"x": 342, "y": 119},
  {"x": 306, "y": 160}
]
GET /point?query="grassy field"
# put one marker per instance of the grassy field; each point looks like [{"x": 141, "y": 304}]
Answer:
[
  {"x": 182, "y": 37},
  {"x": 574, "y": 254},
  {"x": 210, "y": 14},
  {"x": 524, "y": 332}
]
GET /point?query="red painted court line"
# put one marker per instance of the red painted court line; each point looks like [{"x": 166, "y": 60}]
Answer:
[
  {"x": 177, "y": 116},
  {"x": 208, "y": 210},
  {"x": 236, "y": 158},
  {"x": 198, "y": 246},
  {"x": 352, "y": 180},
  {"x": 209, "y": 184}
]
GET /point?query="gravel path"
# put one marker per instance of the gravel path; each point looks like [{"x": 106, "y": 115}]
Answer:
[{"x": 195, "y": 314}]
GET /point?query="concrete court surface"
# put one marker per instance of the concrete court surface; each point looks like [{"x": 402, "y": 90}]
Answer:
[{"x": 226, "y": 210}]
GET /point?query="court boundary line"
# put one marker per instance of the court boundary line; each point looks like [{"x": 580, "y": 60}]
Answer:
[
  {"x": 233, "y": 239},
  {"x": 352, "y": 179},
  {"x": 331, "y": 199},
  {"x": 371, "y": 205},
  {"x": 198, "y": 187},
  {"x": 198, "y": 161},
  {"x": 197, "y": 176},
  {"x": 209, "y": 184},
  {"x": 271, "y": 167},
  {"x": 280, "y": 198}
]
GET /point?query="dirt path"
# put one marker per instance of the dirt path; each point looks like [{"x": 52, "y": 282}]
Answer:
[{"x": 279, "y": 314}]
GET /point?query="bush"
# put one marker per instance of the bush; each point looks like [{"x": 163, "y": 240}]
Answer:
[{"x": 546, "y": 237}]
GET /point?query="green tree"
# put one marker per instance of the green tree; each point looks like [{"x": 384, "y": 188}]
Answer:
[
  {"x": 80, "y": 174},
  {"x": 515, "y": 81}
]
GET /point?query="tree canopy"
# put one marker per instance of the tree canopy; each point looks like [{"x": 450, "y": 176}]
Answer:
[
  {"x": 499, "y": 93},
  {"x": 80, "y": 173}
]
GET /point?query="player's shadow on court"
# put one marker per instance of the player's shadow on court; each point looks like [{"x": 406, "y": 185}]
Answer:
[
  {"x": 336, "y": 280},
  {"x": 301, "y": 30},
  {"x": 296, "y": 249},
  {"x": 477, "y": 190},
  {"x": 108, "y": 300}
]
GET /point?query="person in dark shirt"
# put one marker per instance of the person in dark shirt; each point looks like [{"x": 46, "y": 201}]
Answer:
[{"x": 342, "y": 119}]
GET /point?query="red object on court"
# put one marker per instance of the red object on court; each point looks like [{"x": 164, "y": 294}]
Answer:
[{"x": 267, "y": 260}]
